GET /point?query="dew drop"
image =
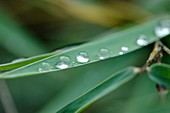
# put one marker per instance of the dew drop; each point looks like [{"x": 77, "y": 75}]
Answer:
[
  {"x": 64, "y": 62},
  {"x": 82, "y": 57},
  {"x": 142, "y": 40},
  {"x": 162, "y": 31},
  {"x": 45, "y": 67},
  {"x": 124, "y": 48},
  {"x": 121, "y": 53},
  {"x": 104, "y": 53}
]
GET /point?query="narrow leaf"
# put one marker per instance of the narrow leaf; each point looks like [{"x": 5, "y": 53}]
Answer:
[
  {"x": 110, "y": 45},
  {"x": 110, "y": 84},
  {"x": 26, "y": 61}
]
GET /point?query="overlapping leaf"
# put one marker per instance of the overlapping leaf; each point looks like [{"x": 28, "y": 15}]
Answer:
[
  {"x": 160, "y": 73},
  {"x": 115, "y": 43},
  {"x": 112, "y": 83}
]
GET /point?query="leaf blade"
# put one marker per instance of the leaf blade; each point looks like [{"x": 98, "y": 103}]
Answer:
[
  {"x": 92, "y": 48},
  {"x": 99, "y": 91}
]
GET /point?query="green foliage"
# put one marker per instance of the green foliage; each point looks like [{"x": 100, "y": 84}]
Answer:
[
  {"x": 115, "y": 40},
  {"x": 127, "y": 39},
  {"x": 160, "y": 73},
  {"x": 99, "y": 91}
]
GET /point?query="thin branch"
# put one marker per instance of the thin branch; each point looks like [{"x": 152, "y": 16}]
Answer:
[{"x": 154, "y": 53}]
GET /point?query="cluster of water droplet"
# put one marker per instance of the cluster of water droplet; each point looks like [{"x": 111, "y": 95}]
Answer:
[{"x": 65, "y": 62}]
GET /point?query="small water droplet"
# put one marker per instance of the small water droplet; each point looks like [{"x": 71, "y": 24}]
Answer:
[
  {"x": 142, "y": 40},
  {"x": 18, "y": 60},
  {"x": 45, "y": 67},
  {"x": 162, "y": 31},
  {"x": 124, "y": 48},
  {"x": 104, "y": 53},
  {"x": 82, "y": 57},
  {"x": 121, "y": 53},
  {"x": 64, "y": 62}
]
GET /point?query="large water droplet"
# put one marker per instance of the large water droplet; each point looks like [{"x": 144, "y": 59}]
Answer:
[
  {"x": 162, "y": 31},
  {"x": 124, "y": 48},
  {"x": 104, "y": 53},
  {"x": 45, "y": 67},
  {"x": 142, "y": 40},
  {"x": 18, "y": 60},
  {"x": 82, "y": 57},
  {"x": 64, "y": 62}
]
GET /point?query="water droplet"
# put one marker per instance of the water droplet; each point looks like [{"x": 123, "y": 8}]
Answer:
[
  {"x": 121, "y": 53},
  {"x": 18, "y": 60},
  {"x": 142, "y": 40},
  {"x": 162, "y": 31},
  {"x": 64, "y": 62},
  {"x": 104, "y": 53},
  {"x": 45, "y": 67},
  {"x": 124, "y": 48},
  {"x": 82, "y": 57}
]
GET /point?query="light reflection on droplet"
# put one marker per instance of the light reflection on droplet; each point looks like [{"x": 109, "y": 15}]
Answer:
[
  {"x": 142, "y": 40},
  {"x": 44, "y": 67},
  {"x": 124, "y": 48},
  {"x": 121, "y": 53},
  {"x": 82, "y": 57},
  {"x": 104, "y": 53},
  {"x": 64, "y": 62},
  {"x": 162, "y": 31}
]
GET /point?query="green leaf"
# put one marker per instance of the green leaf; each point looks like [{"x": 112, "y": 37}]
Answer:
[
  {"x": 84, "y": 78},
  {"x": 110, "y": 84},
  {"x": 160, "y": 73},
  {"x": 15, "y": 39},
  {"x": 26, "y": 61},
  {"x": 113, "y": 42}
]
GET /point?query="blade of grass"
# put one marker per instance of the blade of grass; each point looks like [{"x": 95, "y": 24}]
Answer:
[
  {"x": 113, "y": 42},
  {"x": 86, "y": 77},
  {"x": 26, "y": 61},
  {"x": 110, "y": 84}
]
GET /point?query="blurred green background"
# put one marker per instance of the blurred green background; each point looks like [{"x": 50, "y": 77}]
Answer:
[{"x": 33, "y": 27}]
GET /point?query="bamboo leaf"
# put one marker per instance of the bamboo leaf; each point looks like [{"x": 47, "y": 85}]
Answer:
[
  {"x": 25, "y": 61},
  {"x": 110, "y": 84},
  {"x": 124, "y": 42}
]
